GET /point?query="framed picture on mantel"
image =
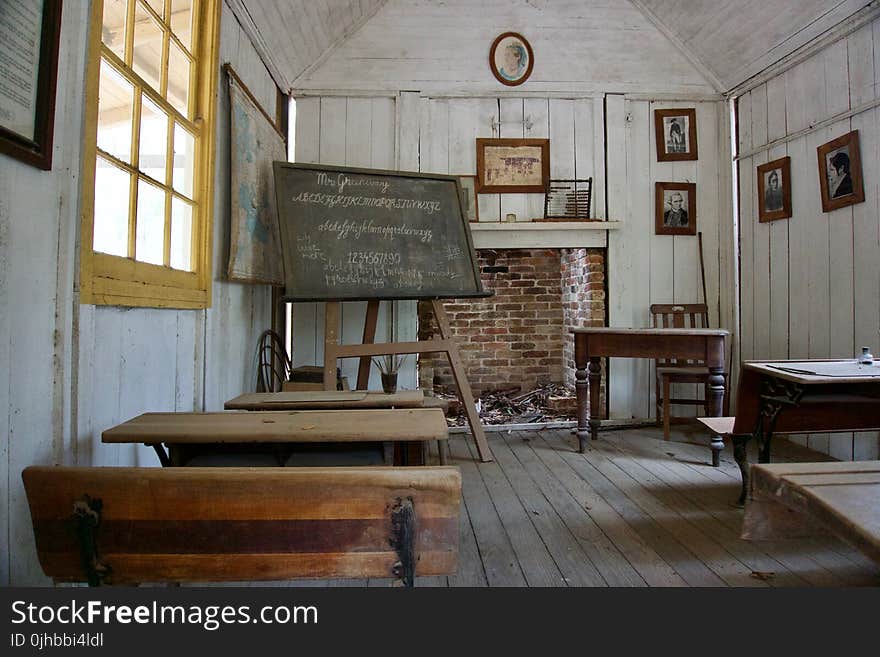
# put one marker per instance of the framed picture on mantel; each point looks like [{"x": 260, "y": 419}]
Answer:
[{"x": 507, "y": 166}]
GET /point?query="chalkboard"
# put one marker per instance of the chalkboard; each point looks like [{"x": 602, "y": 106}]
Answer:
[{"x": 354, "y": 234}]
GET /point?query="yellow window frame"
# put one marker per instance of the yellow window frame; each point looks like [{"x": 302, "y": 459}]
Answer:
[{"x": 114, "y": 280}]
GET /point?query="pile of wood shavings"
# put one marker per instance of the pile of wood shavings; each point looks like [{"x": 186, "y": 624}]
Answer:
[{"x": 552, "y": 402}]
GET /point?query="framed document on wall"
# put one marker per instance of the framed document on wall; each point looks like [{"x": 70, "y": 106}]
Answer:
[{"x": 29, "y": 31}]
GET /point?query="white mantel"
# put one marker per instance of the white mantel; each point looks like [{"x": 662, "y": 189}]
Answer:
[{"x": 541, "y": 235}]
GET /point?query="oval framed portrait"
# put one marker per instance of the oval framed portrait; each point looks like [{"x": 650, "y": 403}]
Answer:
[{"x": 511, "y": 59}]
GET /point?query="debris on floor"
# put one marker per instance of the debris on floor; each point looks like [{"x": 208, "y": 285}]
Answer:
[{"x": 551, "y": 402}]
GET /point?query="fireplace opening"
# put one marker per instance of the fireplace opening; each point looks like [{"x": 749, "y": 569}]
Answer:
[{"x": 516, "y": 345}]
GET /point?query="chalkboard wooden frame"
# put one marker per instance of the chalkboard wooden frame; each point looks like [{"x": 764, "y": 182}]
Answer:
[{"x": 294, "y": 220}]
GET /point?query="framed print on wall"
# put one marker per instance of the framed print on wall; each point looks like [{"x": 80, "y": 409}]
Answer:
[
  {"x": 676, "y": 133},
  {"x": 29, "y": 34},
  {"x": 840, "y": 172},
  {"x": 675, "y": 211},
  {"x": 774, "y": 190},
  {"x": 512, "y": 166},
  {"x": 511, "y": 59}
]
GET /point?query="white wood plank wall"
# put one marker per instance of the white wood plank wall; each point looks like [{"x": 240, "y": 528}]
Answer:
[
  {"x": 441, "y": 48},
  {"x": 643, "y": 268},
  {"x": 69, "y": 371},
  {"x": 358, "y": 132},
  {"x": 811, "y": 284}
]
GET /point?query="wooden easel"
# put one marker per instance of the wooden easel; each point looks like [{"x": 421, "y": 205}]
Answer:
[{"x": 446, "y": 344}]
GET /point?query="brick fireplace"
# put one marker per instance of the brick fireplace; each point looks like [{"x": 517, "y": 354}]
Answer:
[{"x": 519, "y": 338}]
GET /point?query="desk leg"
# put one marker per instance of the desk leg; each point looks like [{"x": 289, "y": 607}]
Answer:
[
  {"x": 739, "y": 454},
  {"x": 581, "y": 392},
  {"x": 164, "y": 459},
  {"x": 716, "y": 403},
  {"x": 595, "y": 369}
]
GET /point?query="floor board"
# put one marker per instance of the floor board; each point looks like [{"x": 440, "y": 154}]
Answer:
[{"x": 632, "y": 511}]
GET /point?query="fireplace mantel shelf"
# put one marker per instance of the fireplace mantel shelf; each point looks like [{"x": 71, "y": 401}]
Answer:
[{"x": 541, "y": 234}]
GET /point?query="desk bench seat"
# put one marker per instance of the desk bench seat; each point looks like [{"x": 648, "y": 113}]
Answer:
[
  {"x": 131, "y": 525},
  {"x": 788, "y": 500}
]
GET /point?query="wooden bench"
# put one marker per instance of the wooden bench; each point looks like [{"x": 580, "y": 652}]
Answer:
[
  {"x": 108, "y": 525},
  {"x": 791, "y": 500},
  {"x": 269, "y": 435}
]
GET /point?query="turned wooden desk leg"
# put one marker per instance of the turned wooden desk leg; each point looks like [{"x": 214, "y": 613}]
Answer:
[
  {"x": 595, "y": 375},
  {"x": 716, "y": 403},
  {"x": 581, "y": 392}
]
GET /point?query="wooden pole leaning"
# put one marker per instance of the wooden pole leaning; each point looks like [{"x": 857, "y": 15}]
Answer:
[{"x": 333, "y": 350}]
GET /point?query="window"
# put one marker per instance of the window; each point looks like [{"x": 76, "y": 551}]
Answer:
[{"x": 148, "y": 174}]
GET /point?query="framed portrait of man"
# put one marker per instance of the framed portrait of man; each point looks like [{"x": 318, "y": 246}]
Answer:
[
  {"x": 840, "y": 172},
  {"x": 774, "y": 190},
  {"x": 676, "y": 134},
  {"x": 675, "y": 211}
]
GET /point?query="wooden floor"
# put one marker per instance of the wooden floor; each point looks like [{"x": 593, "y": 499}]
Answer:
[{"x": 632, "y": 511}]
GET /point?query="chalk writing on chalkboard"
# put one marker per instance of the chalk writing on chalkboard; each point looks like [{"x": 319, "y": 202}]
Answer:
[{"x": 351, "y": 234}]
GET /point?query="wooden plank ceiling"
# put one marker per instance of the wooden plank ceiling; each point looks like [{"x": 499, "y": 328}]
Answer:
[
  {"x": 728, "y": 41},
  {"x": 293, "y": 35}
]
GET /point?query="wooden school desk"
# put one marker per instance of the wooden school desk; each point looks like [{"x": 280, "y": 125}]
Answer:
[
  {"x": 186, "y": 435},
  {"x": 592, "y": 344}
]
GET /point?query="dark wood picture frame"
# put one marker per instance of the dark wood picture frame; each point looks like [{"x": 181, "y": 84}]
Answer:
[
  {"x": 494, "y": 180},
  {"x": 774, "y": 203},
  {"x": 683, "y": 148},
  {"x": 515, "y": 45},
  {"x": 841, "y": 154},
  {"x": 688, "y": 192},
  {"x": 470, "y": 204},
  {"x": 36, "y": 149}
]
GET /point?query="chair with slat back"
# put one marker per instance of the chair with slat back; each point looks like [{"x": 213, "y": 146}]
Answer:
[
  {"x": 273, "y": 363},
  {"x": 669, "y": 371}
]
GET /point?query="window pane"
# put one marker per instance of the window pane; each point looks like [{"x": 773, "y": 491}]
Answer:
[
  {"x": 150, "y": 234},
  {"x": 115, "y": 100},
  {"x": 181, "y": 21},
  {"x": 178, "y": 79},
  {"x": 111, "y": 209},
  {"x": 181, "y": 234},
  {"x": 154, "y": 140},
  {"x": 184, "y": 161},
  {"x": 147, "y": 56},
  {"x": 113, "y": 28},
  {"x": 158, "y": 7}
]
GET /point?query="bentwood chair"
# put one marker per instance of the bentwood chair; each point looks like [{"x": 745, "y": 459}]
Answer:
[
  {"x": 273, "y": 363},
  {"x": 670, "y": 371}
]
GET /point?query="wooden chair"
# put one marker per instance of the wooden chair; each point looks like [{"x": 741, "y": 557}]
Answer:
[
  {"x": 107, "y": 525},
  {"x": 668, "y": 372}
]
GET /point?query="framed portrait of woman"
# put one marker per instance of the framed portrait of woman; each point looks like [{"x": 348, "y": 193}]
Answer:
[
  {"x": 511, "y": 59},
  {"x": 774, "y": 190}
]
